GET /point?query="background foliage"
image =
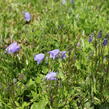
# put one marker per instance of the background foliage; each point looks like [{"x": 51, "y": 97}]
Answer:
[{"x": 83, "y": 77}]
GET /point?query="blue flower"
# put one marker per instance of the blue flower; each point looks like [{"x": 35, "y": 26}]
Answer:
[
  {"x": 27, "y": 16},
  {"x": 12, "y": 48},
  {"x": 100, "y": 34},
  {"x": 63, "y": 54},
  {"x": 105, "y": 42},
  {"x": 54, "y": 53},
  {"x": 51, "y": 76},
  {"x": 39, "y": 58},
  {"x": 90, "y": 39}
]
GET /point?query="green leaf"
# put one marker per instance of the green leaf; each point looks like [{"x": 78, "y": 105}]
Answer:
[{"x": 39, "y": 105}]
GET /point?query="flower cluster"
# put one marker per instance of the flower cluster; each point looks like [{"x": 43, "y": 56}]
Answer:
[
  {"x": 14, "y": 47},
  {"x": 105, "y": 41},
  {"x": 53, "y": 55},
  {"x": 57, "y": 53}
]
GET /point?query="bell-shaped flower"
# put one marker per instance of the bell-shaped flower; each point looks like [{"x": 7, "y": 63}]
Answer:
[
  {"x": 105, "y": 42},
  {"x": 12, "y": 48},
  {"x": 54, "y": 53},
  {"x": 27, "y": 16},
  {"x": 99, "y": 34},
  {"x": 39, "y": 58},
  {"x": 90, "y": 39},
  {"x": 51, "y": 76},
  {"x": 63, "y": 54}
]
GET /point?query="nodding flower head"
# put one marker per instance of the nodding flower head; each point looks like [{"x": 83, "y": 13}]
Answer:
[
  {"x": 12, "y": 48},
  {"x": 54, "y": 53},
  {"x": 63, "y": 54},
  {"x": 90, "y": 39},
  {"x": 99, "y": 34},
  {"x": 39, "y": 58},
  {"x": 105, "y": 42},
  {"x": 27, "y": 16},
  {"x": 51, "y": 76}
]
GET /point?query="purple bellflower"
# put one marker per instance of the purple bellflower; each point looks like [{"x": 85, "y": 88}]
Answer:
[
  {"x": 63, "y": 54},
  {"x": 90, "y": 39},
  {"x": 39, "y": 58},
  {"x": 54, "y": 53},
  {"x": 27, "y": 16},
  {"x": 12, "y": 48},
  {"x": 51, "y": 76},
  {"x": 100, "y": 34},
  {"x": 105, "y": 42}
]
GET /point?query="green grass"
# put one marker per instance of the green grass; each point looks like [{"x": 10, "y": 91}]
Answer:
[{"x": 83, "y": 77}]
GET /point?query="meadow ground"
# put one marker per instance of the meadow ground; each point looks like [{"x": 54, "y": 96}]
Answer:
[{"x": 54, "y": 54}]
